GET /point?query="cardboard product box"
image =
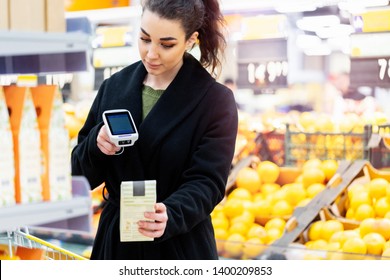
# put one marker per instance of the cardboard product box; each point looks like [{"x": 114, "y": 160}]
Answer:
[
  {"x": 7, "y": 167},
  {"x": 26, "y": 142},
  {"x": 55, "y": 143},
  {"x": 4, "y": 19},
  {"x": 55, "y": 16},
  {"x": 27, "y": 15}
]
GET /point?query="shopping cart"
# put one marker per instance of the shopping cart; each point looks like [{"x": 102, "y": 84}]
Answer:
[{"x": 37, "y": 248}]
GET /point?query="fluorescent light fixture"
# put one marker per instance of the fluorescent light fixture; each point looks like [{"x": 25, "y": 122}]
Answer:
[{"x": 313, "y": 23}]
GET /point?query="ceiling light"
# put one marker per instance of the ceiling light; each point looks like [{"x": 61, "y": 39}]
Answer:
[{"x": 313, "y": 23}]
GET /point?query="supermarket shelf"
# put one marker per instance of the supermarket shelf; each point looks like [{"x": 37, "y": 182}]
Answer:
[
  {"x": 41, "y": 52},
  {"x": 42, "y": 213},
  {"x": 26, "y": 43},
  {"x": 46, "y": 213}
]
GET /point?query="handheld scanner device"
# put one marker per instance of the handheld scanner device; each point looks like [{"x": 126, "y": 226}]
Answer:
[{"x": 120, "y": 127}]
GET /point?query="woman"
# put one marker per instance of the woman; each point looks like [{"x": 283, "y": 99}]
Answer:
[{"x": 187, "y": 124}]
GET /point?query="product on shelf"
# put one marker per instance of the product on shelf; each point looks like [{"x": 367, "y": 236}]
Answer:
[
  {"x": 7, "y": 167},
  {"x": 55, "y": 145},
  {"x": 27, "y": 144}
]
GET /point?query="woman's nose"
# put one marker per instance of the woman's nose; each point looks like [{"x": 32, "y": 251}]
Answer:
[{"x": 152, "y": 51}]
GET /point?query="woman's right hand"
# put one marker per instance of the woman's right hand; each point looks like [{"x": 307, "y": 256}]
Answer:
[{"x": 104, "y": 144}]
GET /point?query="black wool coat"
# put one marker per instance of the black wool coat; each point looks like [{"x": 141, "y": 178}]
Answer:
[{"x": 186, "y": 143}]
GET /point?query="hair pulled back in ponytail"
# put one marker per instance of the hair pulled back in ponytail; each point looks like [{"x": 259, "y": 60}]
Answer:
[{"x": 203, "y": 16}]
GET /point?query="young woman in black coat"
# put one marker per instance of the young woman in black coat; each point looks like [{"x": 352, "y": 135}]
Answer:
[{"x": 187, "y": 124}]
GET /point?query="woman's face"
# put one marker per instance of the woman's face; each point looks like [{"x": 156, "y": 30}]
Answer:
[{"x": 162, "y": 44}]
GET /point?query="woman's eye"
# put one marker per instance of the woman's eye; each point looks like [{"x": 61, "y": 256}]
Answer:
[
  {"x": 145, "y": 40},
  {"x": 167, "y": 46}
]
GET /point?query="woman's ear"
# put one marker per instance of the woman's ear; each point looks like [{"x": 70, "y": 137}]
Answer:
[{"x": 192, "y": 40}]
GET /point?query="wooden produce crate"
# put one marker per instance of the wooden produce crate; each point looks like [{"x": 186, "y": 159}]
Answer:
[
  {"x": 338, "y": 209},
  {"x": 304, "y": 216}
]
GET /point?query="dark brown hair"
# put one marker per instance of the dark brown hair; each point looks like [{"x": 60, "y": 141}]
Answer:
[{"x": 196, "y": 15}]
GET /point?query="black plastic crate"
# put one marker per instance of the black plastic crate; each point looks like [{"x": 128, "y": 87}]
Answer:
[
  {"x": 301, "y": 146},
  {"x": 380, "y": 149}
]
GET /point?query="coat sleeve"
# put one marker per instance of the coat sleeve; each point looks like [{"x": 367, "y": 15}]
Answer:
[
  {"x": 87, "y": 159},
  {"x": 204, "y": 181}
]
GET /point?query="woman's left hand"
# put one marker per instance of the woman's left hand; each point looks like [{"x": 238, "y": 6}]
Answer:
[{"x": 154, "y": 227}]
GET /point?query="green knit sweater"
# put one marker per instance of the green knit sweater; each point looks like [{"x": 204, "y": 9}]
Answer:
[{"x": 149, "y": 99}]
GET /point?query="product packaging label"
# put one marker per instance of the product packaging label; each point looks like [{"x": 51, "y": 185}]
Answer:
[
  {"x": 137, "y": 197},
  {"x": 7, "y": 168}
]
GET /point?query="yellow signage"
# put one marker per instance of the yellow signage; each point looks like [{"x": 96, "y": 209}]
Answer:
[{"x": 374, "y": 21}]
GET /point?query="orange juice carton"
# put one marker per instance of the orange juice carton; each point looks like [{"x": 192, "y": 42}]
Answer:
[
  {"x": 26, "y": 142},
  {"x": 7, "y": 167},
  {"x": 55, "y": 143}
]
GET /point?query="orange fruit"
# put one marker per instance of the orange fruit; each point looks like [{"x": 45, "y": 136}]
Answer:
[
  {"x": 382, "y": 206},
  {"x": 319, "y": 244},
  {"x": 220, "y": 237},
  {"x": 282, "y": 208},
  {"x": 354, "y": 245},
  {"x": 253, "y": 247},
  {"x": 238, "y": 227},
  {"x": 262, "y": 208},
  {"x": 329, "y": 228},
  {"x": 248, "y": 178},
  {"x": 311, "y": 176},
  {"x": 350, "y": 214},
  {"x": 295, "y": 192},
  {"x": 341, "y": 236},
  {"x": 220, "y": 222},
  {"x": 366, "y": 226},
  {"x": 278, "y": 223},
  {"x": 268, "y": 188},
  {"x": 386, "y": 254},
  {"x": 247, "y": 217},
  {"x": 268, "y": 171},
  {"x": 354, "y": 189},
  {"x": 364, "y": 211},
  {"x": 329, "y": 167},
  {"x": 312, "y": 163},
  {"x": 374, "y": 242},
  {"x": 388, "y": 192},
  {"x": 273, "y": 234},
  {"x": 241, "y": 193},
  {"x": 377, "y": 187},
  {"x": 257, "y": 230},
  {"x": 358, "y": 198},
  {"x": 383, "y": 228},
  {"x": 234, "y": 245},
  {"x": 233, "y": 207},
  {"x": 314, "y": 189},
  {"x": 386, "y": 245},
  {"x": 315, "y": 229}
]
